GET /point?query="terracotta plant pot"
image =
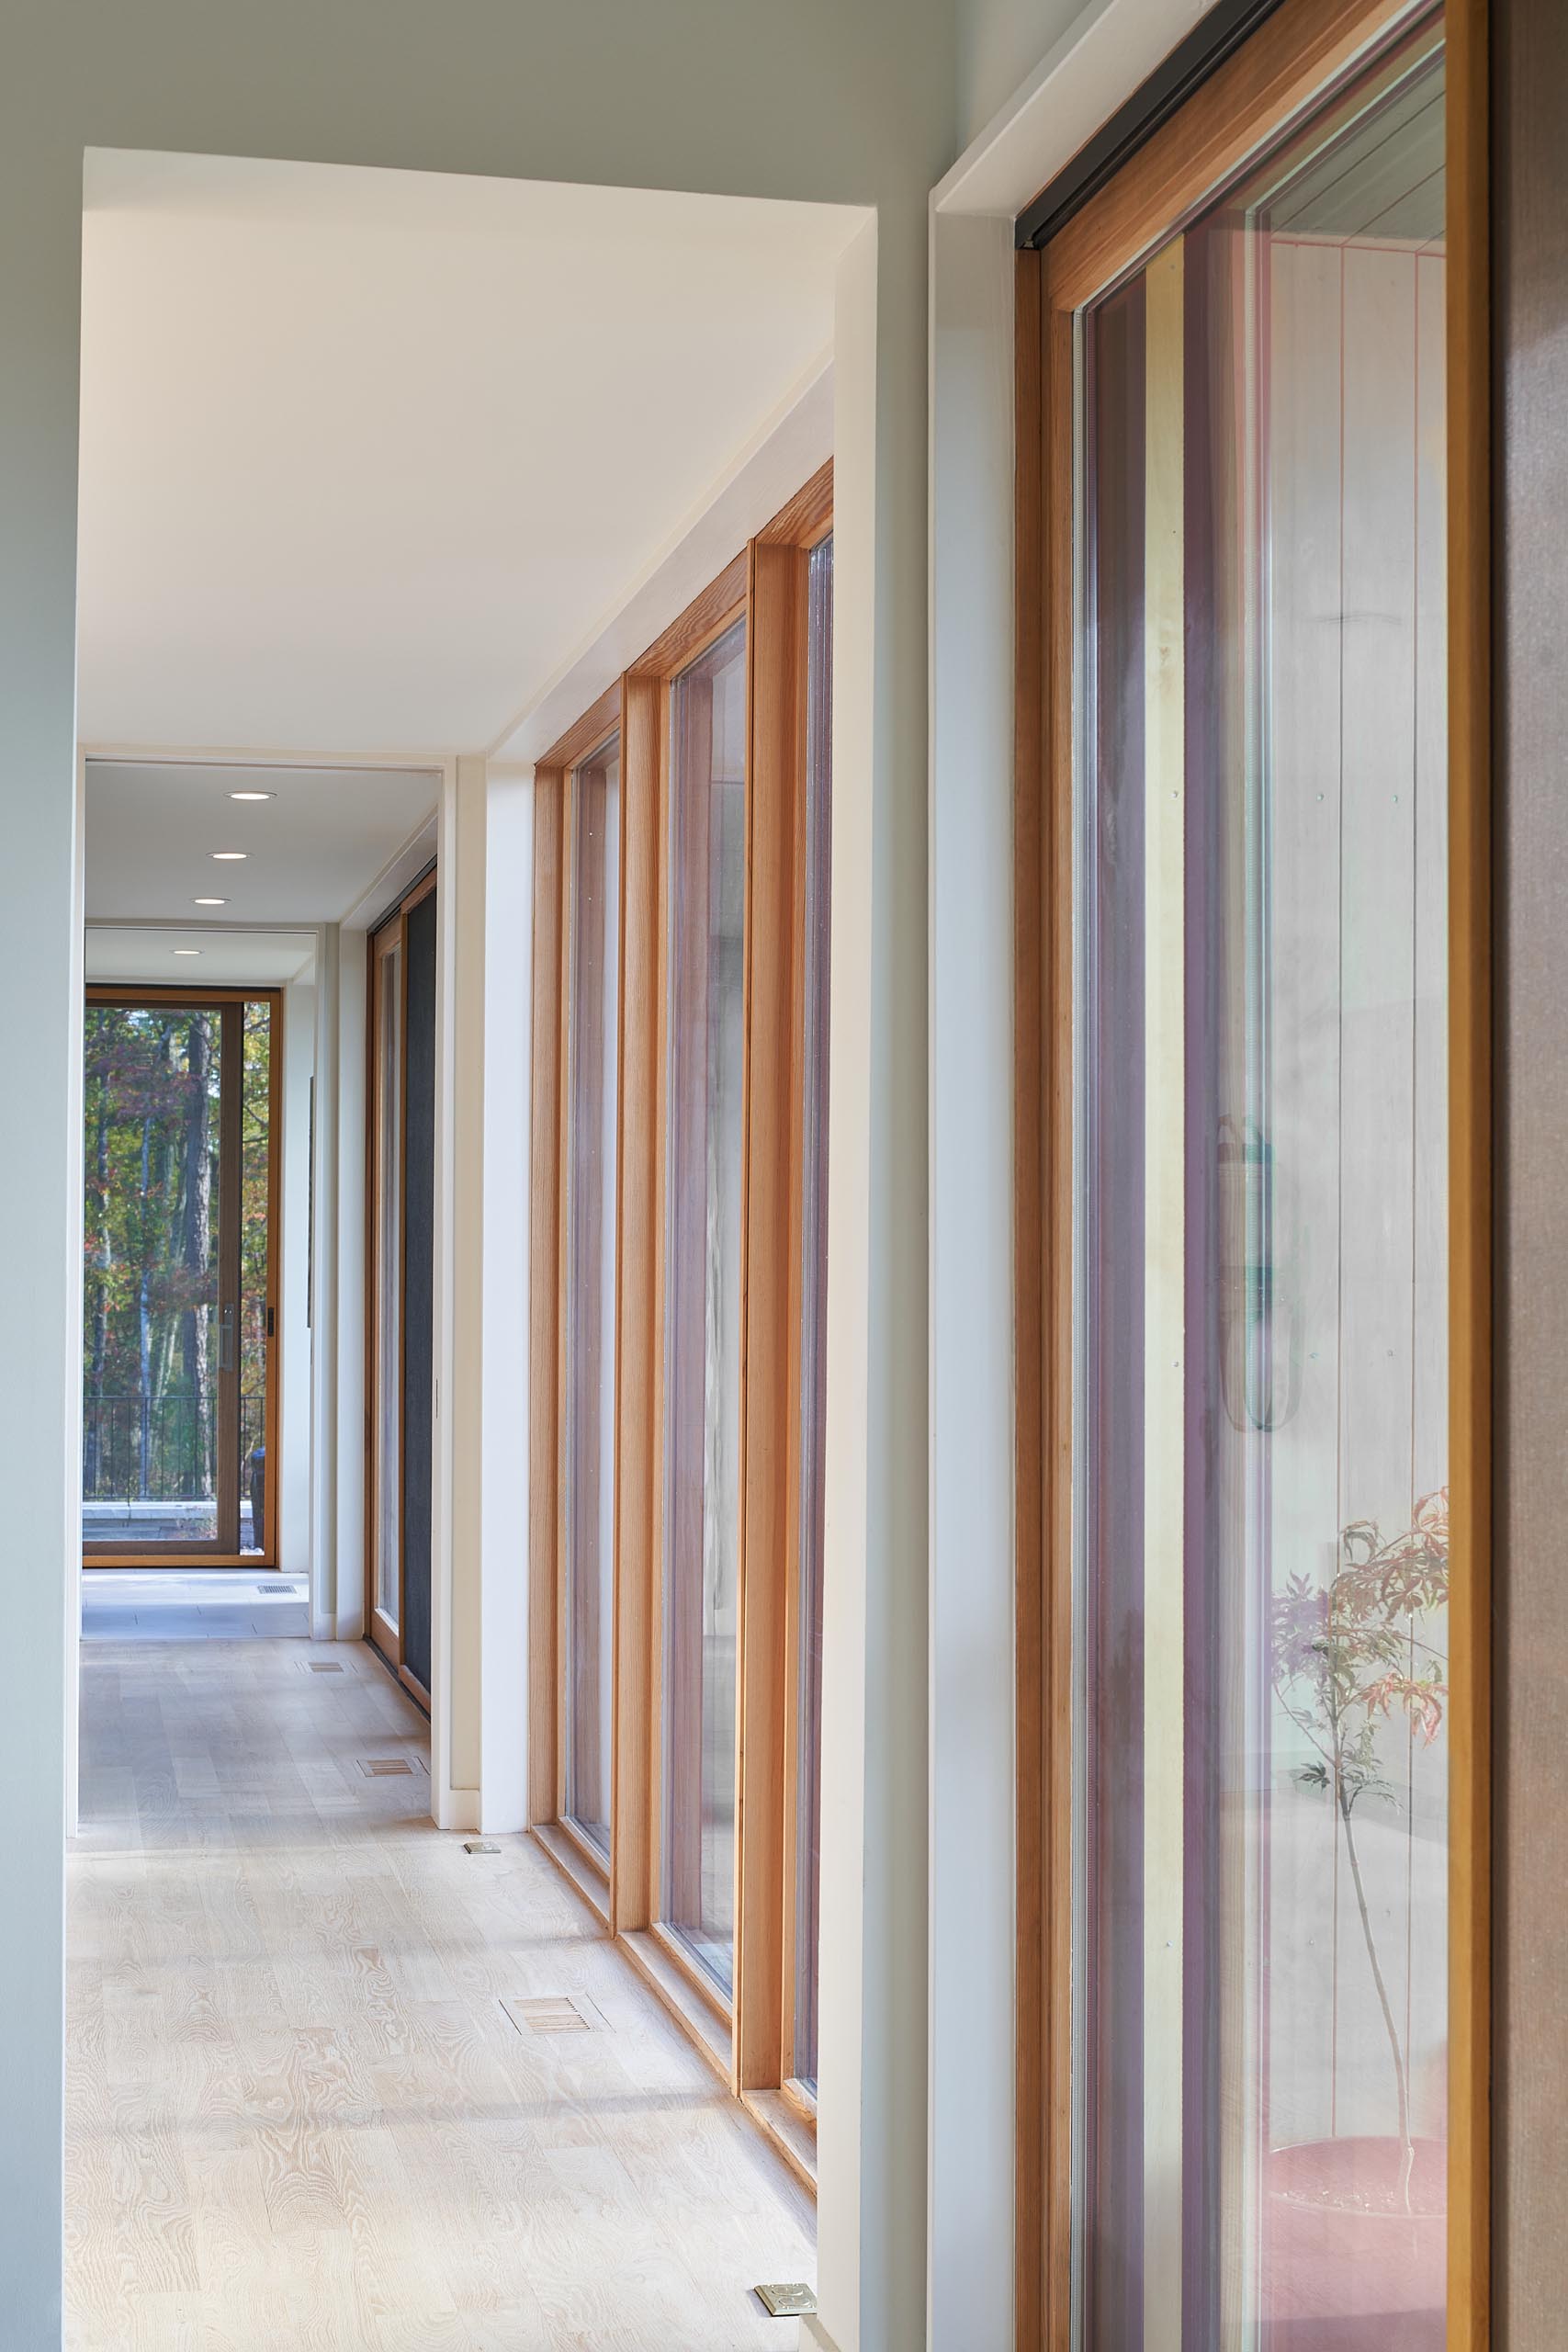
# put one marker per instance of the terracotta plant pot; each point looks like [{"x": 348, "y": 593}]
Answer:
[{"x": 1355, "y": 2256}]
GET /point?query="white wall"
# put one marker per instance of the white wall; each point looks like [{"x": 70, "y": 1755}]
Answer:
[
  {"x": 454, "y": 1669},
  {"x": 487, "y": 889},
  {"x": 819, "y": 101},
  {"x": 294, "y": 1399},
  {"x": 501, "y": 1425},
  {"x": 337, "y": 1599},
  {"x": 973, "y": 1930},
  {"x": 999, "y": 43},
  {"x": 1069, "y": 75}
]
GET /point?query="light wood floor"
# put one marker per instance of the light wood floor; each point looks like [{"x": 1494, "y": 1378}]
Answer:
[{"x": 298, "y": 2118}]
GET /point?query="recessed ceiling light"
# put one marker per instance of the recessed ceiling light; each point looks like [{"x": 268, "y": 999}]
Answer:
[
  {"x": 210, "y": 902},
  {"x": 225, "y": 855},
  {"x": 250, "y": 796},
  {"x": 188, "y": 951}
]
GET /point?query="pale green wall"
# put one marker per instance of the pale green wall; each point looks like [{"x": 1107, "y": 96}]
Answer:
[
  {"x": 998, "y": 43},
  {"x": 842, "y": 100}
]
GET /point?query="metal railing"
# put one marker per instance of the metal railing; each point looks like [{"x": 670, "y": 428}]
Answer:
[{"x": 160, "y": 1449}]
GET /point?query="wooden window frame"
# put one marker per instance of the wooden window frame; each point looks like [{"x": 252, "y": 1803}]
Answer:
[
  {"x": 391, "y": 930},
  {"x": 781, "y": 565},
  {"x": 648, "y": 691},
  {"x": 1278, "y": 72},
  {"x": 550, "y": 1179},
  {"x": 747, "y": 2039},
  {"x": 201, "y": 1555}
]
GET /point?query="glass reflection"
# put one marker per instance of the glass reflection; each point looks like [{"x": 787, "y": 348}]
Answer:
[
  {"x": 703, "y": 1294},
  {"x": 592, "y": 1095},
  {"x": 1262, "y": 1512}
]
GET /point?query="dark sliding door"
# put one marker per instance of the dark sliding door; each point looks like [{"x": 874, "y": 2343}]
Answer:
[
  {"x": 400, "y": 1228},
  {"x": 419, "y": 1276},
  {"x": 179, "y": 1297}
]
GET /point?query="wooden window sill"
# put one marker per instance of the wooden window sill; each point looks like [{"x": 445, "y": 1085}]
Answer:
[{"x": 569, "y": 1858}]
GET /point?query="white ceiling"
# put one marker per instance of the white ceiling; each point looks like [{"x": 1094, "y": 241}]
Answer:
[
  {"x": 311, "y": 851},
  {"x": 235, "y": 959},
  {"x": 367, "y": 456}
]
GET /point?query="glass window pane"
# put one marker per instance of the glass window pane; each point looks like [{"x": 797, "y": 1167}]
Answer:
[
  {"x": 1261, "y": 1504},
  {"x": 589, "y": 1433},
  {"x": 150, "y": 1345},
  {"x": 814, "y": 1300},
  {"x": 255, "y": 1344},
  {"x": 705, "y": 1114},
  {"x": 388, "y": 1261}
]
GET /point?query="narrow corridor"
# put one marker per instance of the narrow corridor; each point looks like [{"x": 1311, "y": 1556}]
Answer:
[{"x": 299, "y": 2116}]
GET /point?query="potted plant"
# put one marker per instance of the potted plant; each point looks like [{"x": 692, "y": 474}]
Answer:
[{"x": 1349, "y": 1660}]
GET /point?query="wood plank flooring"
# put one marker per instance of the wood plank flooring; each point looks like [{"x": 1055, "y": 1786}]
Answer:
[{"x": 298, "y": 2117}]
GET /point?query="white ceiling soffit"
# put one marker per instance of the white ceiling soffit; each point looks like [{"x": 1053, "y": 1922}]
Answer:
[
  {"x": 367, "y": 457},
  {"x": 311, "y": 850},
  {"x": 789, "y": 449},
  {"x": 1107, "y": 48},
  {"x": 240, "y": 959}
]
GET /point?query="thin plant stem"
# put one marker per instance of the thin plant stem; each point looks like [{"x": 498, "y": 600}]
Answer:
[{"x": 1407, "y": 2148}]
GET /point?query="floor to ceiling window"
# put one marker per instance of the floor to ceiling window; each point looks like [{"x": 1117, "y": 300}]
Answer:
[
  {"x": 802, "y": 1845},
  {"x": 180, "y": 1302},
  {"x": 588, "y": 1395},
  {"x": 386, "y": 1297},
  {"x": 681, "y": 871},
  {"x": 702, "y": 1278},
  {"x": 1244, "y": 1661},
  {"x": 400, "y": 1276}
]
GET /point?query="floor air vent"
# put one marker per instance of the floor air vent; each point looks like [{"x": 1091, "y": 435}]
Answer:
[
  {"x": 787, "y": 2302},
  {"x": 556, "y": 2013}
]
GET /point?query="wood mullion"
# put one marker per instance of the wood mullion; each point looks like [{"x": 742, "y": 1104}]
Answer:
[
  {"x": 790, "y": 1665},
  {"x": 690, "y": 837},
  {"x": 566, "y": 794},
  {"x": 122, "y": 992},
  {"x": 639, "y": 1386},
  {"x": 1033, "y": 2139},
  {"x": 230, "y": 1193},
  {"x": 1471, "y": 1127},
  {"x": 771, "y": 1286},
  {"x": 1057, "y": 1403},
  {"x": 1043, "y": 1229},
  {"x": 583, "y": 984}
]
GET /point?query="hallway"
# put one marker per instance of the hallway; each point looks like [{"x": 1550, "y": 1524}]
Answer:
[{"x": 287, "y": 2036}]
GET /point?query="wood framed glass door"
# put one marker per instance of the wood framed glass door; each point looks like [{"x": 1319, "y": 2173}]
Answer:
[
  {"x": 1252, "y": 1469},
  {"x": 181, "y": 1152},
  {"x": 399, "y": 1284}
]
